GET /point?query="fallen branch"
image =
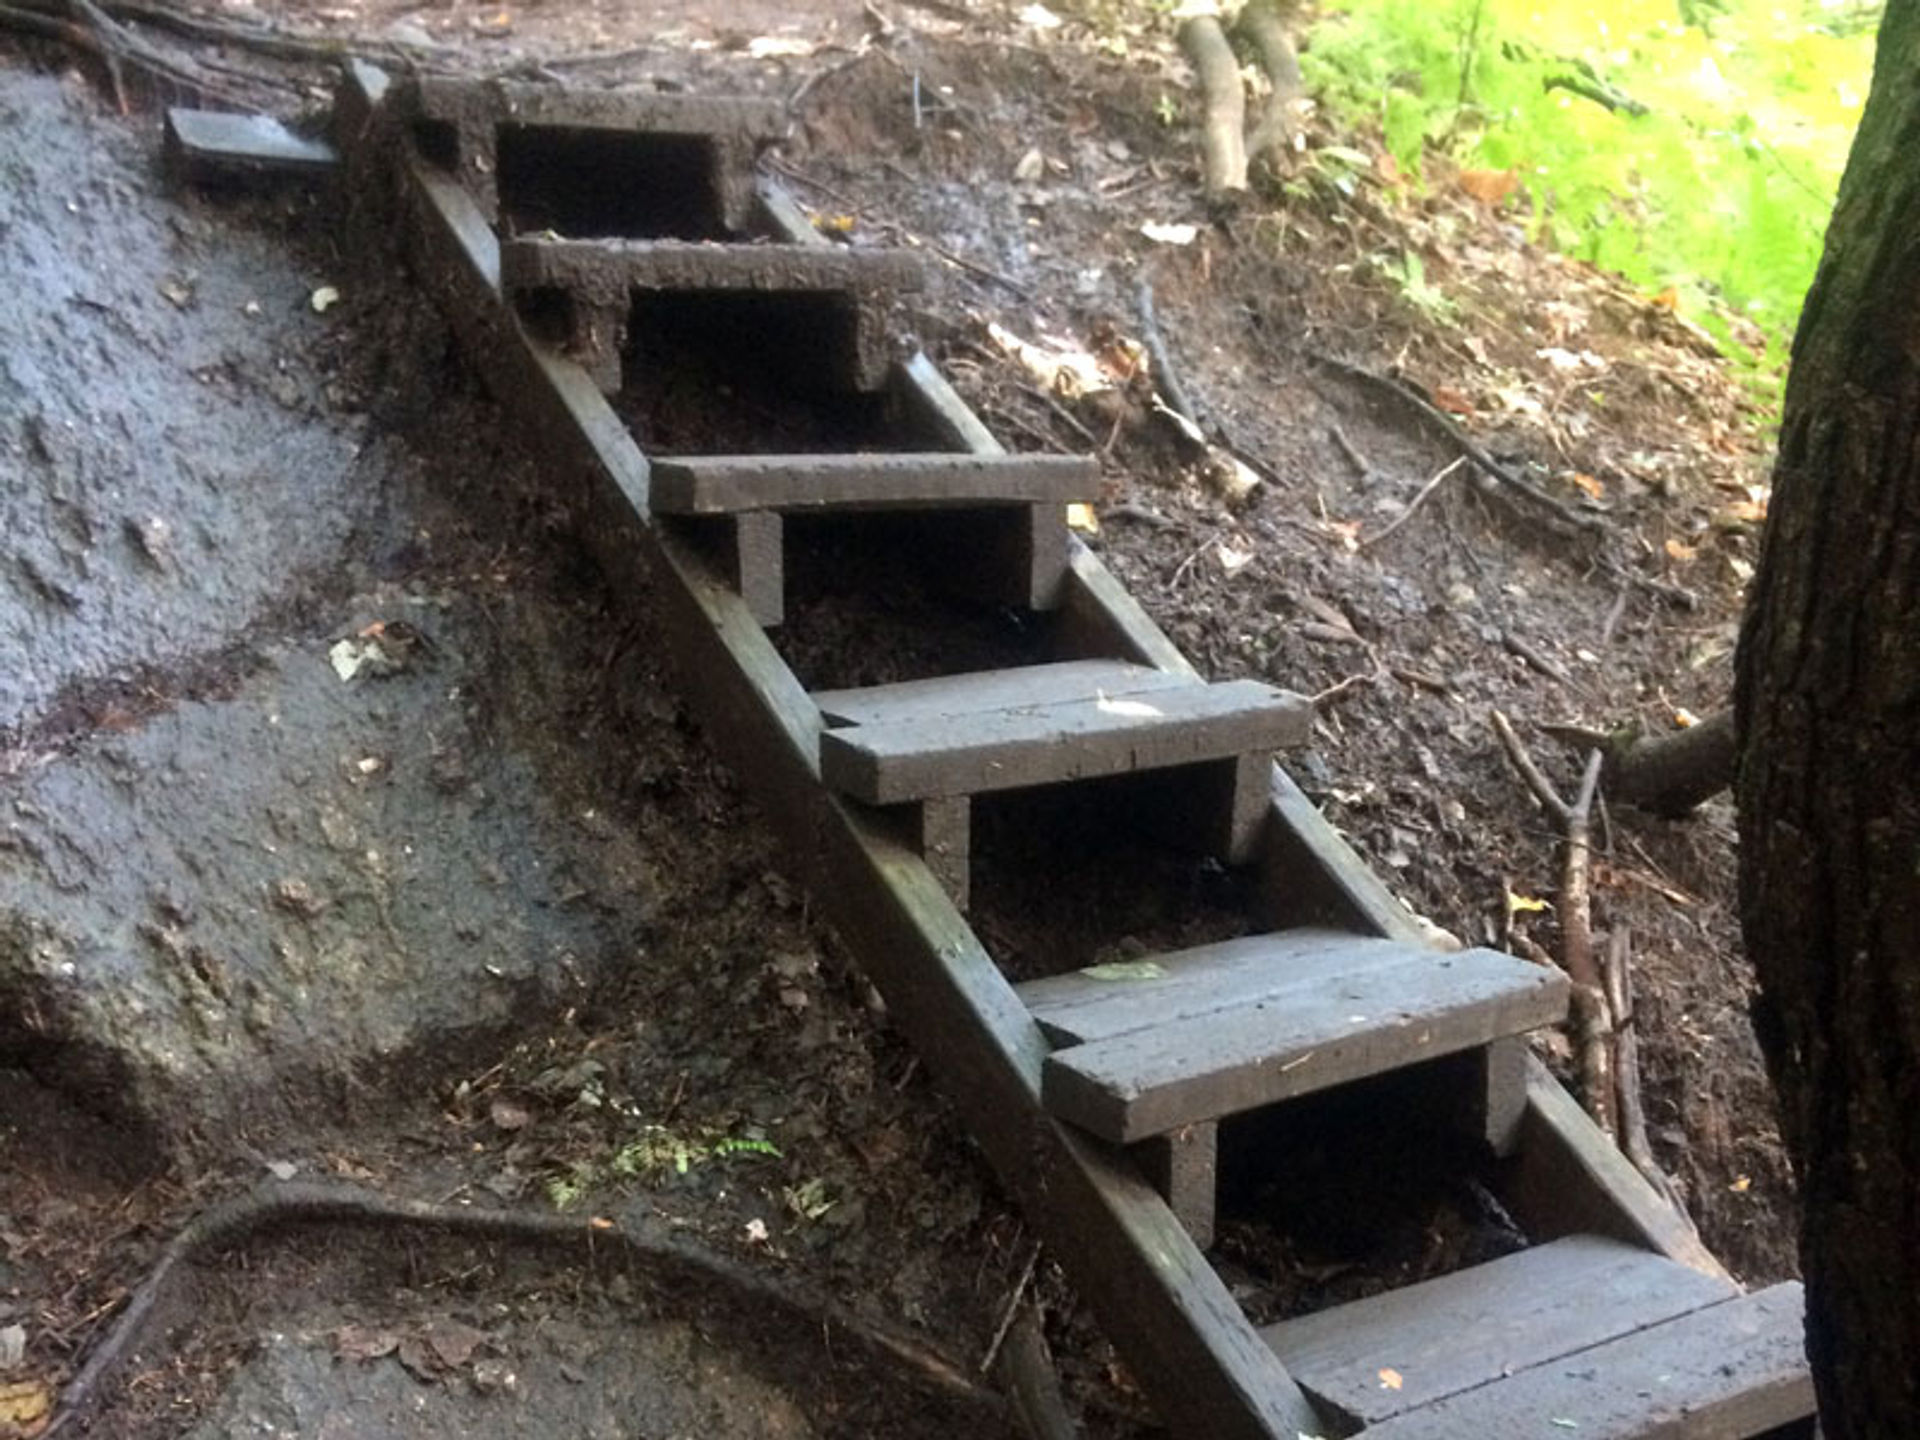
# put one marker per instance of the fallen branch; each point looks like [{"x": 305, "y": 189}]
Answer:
[
  {"x": 1471, "y": 448},
  {"x": 1626, "y": 1067},
  {"x": 278, "y": 1205},
  {"x": 1223, "y": 123},
  {"x": 1165, "y": 378},
  {"x": 1593, "y": 1025},
  {"x": 1664, "y": 774},
  {"x": 86, "y": 26}
]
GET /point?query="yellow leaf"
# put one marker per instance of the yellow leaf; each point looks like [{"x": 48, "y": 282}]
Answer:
[
  {"x": 1680, "y": 551},
  {"x": 1591, "y": 486},
  {"x": 23, "y": 1403},
  {"x": 1489, "y": 187},
  {"x": 1390, "y": 1379},
  {"x": 1525, "y": 904},
  {"x": 1742, "y": 1185},
  {"x": 1081, "y": 517},
  {"x": 1668, "y": 299},
  {"x": 838, "y": 224}
]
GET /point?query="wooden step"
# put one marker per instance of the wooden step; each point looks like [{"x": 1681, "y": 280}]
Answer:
[
  {"x": 945, "y": 697},
  {"x": 730, "y": 484},
  {"x": 1730, "y": 1370},
  {"x": 1049, "y": 742},
  {"x": 1201, "y": 1034},
  {"x": 600, "y": 279},
  {"x": 1472, "y": 1328}
]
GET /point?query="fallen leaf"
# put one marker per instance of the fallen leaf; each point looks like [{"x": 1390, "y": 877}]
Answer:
[
  {"x": 1742, "y": 1185},
  {"x": 770, "y": 47},
  {"x": 1039, "y": 17},
  {"x": 1168, "y": 232},
  {"x": 178, "y": 292},
  {"x": 1390, "y": 1379},
  {"x": 24, "y": 1405},
  {"x": 1668, "y": 299},
  {"x": 1489, "y": 187},
  {"x": 13, "y": 1346},
  {"x": 756, "y": 1232},
  {"x": 1080, "y": 517},
  {"x": 324, "y": 299},
  {"x": 1452, "y": 401},
  {"x": 1031, "y": 166},
  {"x": 1680, "y": 551},
  {"x": 1232, "y": 558},
  {"x": 453, "y": 1343},
  {"x": 1587, "y": 483},
  {"x": 834, "y": 224},
  {"x": 359, "y": 1342},
  {"x": 1126, "y": 970},
  {"x": 1525, "y": 904},
  {"x": 508, "y": 1114},
  {"x": 1132, "y": 709},
  {"x": 1685, "y": 718}
]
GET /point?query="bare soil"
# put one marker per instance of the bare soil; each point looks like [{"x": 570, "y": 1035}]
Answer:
[{"x": 706, "y": 1056}]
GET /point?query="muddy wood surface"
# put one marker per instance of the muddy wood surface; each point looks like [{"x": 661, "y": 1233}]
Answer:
[{"x": 349, "y": 834}]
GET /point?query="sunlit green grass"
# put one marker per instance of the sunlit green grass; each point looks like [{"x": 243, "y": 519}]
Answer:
[{"x": 1719, "y": 191}]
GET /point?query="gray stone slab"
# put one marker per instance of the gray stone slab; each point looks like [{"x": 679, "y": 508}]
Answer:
[{"x": 214, "y": 146}]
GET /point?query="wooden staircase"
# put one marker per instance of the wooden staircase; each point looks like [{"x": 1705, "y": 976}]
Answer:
[{"x": 1103, "y": 1096}]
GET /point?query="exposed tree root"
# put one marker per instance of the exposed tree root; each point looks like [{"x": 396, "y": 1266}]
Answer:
[
  {"x": 275, "y": 1206},
  {"x": 1262, "y": 24}
]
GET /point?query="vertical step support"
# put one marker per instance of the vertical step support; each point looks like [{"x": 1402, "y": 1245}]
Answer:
[
  {"x": 1216, "y": 808},
  {"x": 596, "y": 338},
  {"x": 1500, "y": 1093},
  {"x": 1024, "y": 549},
  {"x": 756, "y": 563},
  {"x": 941, "y": 830},
  {"x": 1184, "y": 1167}
]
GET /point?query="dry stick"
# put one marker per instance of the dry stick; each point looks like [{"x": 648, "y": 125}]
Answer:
[
  {"x": 1223, "y": 139},
  {"x": 1362, "y": 467},
  {"x": 305, "y": 1202},
  {"x": 1468, "y": 445},
  {"x": 1592, "y": 1022},
  {"x": 1626, "y": 1066},
  {"x": 1418, "y": 500},
  {"x": 1012, "y": 1308},
  {"x": 1164, "y": 375}
]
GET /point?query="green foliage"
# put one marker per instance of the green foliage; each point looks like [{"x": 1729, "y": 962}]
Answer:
[{"x": 1689, "y": 144}]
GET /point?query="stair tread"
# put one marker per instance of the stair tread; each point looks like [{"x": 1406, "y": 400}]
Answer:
[
  {"x": 1082, "y": 1006},
  {"x": 603, "y": 267},
  {"x": 1234, "y": 1039},
  {"x": 1474, "y": 1327},
  {"x": 945, "y": 696},
  {"x": 940, "y": 756},
  {"x": 1733, "y": 1368},
  {"x": 725, "y": 484}
]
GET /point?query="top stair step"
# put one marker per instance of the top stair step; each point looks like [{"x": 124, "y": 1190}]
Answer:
[
  {"x": 1474, "y": 1327},
  {"x": 731, "y": 484},
  {"x": 1151, "y": 1047}
]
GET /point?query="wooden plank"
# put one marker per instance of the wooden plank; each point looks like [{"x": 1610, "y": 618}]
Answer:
[
  {"x": 1181, "y": 1331},
  {"x": 1009, "y": 749},
  {"x": 1309, "y": 875},
  {"x": 756, "y": 557},
  {"x": 942, "y": 832},
  {"x": 1082, "y": 1006},
  {"x": 723, "y": 484},
  {"x": 979, "y": 691},
  {"x": 215, "y": 145},
  {"x": 1476, "y": 1326},
  {"x": 1098, "y": 617},
  {"x": 1208, "y": 1066},
  {"x": 605, "y": 269},
  {"x": 1728, "y": 1371},
  {"x": 1567, "y": 1175}
]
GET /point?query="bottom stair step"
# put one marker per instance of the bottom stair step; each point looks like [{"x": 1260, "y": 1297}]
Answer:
[{"x": 1586, "y": 1337}]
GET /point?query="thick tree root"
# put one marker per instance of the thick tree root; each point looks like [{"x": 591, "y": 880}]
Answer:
[
  {"x": 276, "y": 1206},
  {"x": 1223, "y": 127}
]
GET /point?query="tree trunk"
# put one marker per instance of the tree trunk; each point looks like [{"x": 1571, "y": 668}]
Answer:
[{"x": 1827, "y": 708}]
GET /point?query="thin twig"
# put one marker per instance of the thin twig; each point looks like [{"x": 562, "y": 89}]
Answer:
[
  {"x": 1011, "y": 1309},
  {"x": 1417, "y": 501},
  {"x": 1362, "y": 467},
  {"x": 1626, "y": 1066},
  {"x": 1468, "y": 445}
]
